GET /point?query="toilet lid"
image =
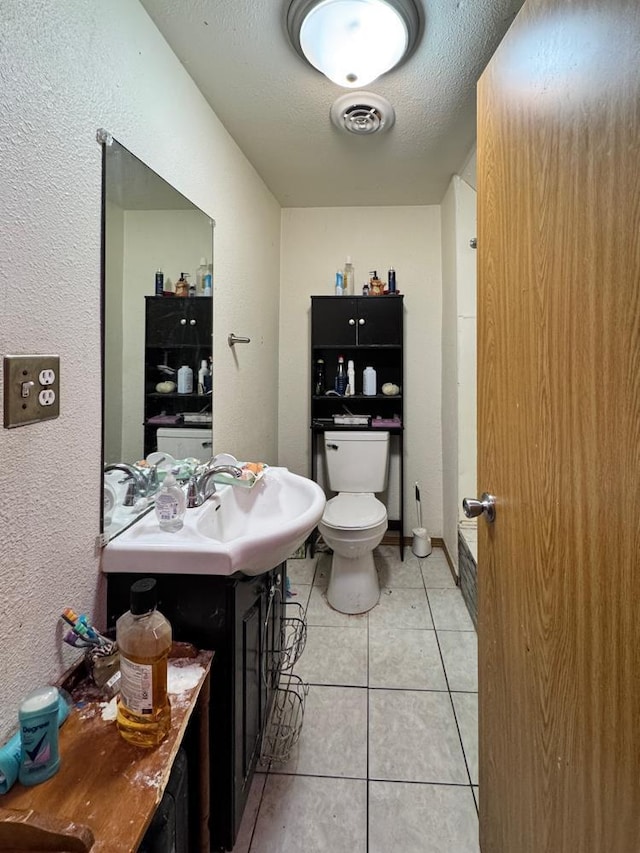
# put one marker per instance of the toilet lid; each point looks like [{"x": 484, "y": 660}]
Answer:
[{"x": 354, "y": 510}]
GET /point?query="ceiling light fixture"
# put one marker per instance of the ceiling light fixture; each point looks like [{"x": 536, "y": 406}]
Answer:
[{"x": 353, "y": 42}]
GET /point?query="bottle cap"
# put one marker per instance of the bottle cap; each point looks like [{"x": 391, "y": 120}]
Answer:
[
  {"x": 143, "y": 596},
  {"x": 348, "y": 259},
  {"x": 203, "y": 363}
]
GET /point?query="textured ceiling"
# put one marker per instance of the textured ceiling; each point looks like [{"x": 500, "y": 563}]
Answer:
[{"x": 276, "y": 107}]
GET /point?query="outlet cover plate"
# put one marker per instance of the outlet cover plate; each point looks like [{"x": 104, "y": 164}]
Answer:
[{"x": 23, "y": 387}]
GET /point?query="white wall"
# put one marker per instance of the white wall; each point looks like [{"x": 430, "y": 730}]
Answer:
[
  {"x": 459, "y": 355},
  {"x": 315, "y": 242},
  {"x": 114, "y": 260},
  {"x": 67, "y": 68}
]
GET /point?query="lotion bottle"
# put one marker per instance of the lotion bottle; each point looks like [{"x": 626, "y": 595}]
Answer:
[
  {"x": 369, "y": 382},
  {"x": 347, "y": 277},
  {"x": 351, "y": 375},
  {"x": 203, "y": 378},
  {"x": 185, "y": 380},
  {"x": 171, "y": 504}
]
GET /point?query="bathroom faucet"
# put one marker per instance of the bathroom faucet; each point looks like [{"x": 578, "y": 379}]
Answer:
[
  {"x": 198, "y": 490},
  {"x": 138, "y": 478}
]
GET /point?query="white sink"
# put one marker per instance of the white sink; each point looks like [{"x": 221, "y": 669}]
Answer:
[{"x": 249, "y": 530}]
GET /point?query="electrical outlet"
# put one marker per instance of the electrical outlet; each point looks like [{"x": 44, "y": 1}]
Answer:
[
  {"x": 31, "y": 389},
  {"x": 47, "y": 397}
]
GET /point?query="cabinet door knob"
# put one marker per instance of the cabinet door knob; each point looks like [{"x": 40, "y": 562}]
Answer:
[
  {"x": 192, "y": 322},
  {"x": 352, "y": 322},
  {"x": 183, "y": 322},
  {"x": 361, "y": 321}
]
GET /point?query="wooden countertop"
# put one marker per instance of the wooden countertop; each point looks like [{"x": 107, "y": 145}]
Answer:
[{"x": 104, "y": 783}]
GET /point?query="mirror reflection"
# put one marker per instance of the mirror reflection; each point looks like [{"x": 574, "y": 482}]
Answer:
[{"x": 157, "y": 331}]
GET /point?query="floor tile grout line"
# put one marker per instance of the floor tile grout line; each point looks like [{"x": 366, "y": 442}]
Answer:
[
  {"x": 368, "y": 741},
  {"x": 453, "y": 707}
]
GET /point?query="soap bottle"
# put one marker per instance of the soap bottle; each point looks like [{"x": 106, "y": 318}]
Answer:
[
  {"x": 203, "y": 375},
  {"x": 341, "y": 377},
  {"x": 143, "y": 635},
  {"x": 185, "y": 380},
  {"x": 182, "y": 287},
  {"x": 351, "y": 376},
  {"x": 369, "y": 382},
  {"x": 347, "y": 277},
  {"x": 170, "y": 504}
]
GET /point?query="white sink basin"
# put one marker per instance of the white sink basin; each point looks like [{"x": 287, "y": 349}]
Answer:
[{"x": 237, "y": 530}]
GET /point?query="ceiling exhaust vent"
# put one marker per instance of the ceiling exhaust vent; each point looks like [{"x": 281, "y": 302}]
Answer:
[{"x": 362, "y": 113}]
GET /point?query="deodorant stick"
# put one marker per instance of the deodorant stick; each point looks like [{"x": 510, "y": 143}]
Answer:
[{"x": 38, "y": 715}]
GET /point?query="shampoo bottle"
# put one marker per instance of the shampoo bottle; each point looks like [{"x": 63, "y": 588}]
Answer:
[
  {"x": 201, "y": 272},
  {"x": 339, "y": 283},
  {"x": 347, "y": 277},
  {"x": 144, "y": 640},
  {"x": 170, "y": 504},
  {"x": 341, "y": 377}
]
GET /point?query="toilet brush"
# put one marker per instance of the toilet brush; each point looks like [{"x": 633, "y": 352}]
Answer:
[{"x": 421, "y": 542}]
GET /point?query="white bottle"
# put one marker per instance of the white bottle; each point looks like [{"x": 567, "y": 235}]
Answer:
[
  {"x": 351, "y": 376},
  {"x": 185, "y": 380},
  {"x": 348, "y": 277},
  {"x": 201, "y": 272},
  {"x": 203, "y": 375},
  {"x": 170, "y": 504},
  {"x": 369, "y": 382}
]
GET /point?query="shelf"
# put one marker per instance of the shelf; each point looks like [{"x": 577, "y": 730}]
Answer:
[
  {"x": 174, "y": 396},
  {"x": 331, "y": 397}
]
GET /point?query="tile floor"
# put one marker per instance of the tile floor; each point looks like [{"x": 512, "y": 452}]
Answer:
[{"x": 387, "y": 759}]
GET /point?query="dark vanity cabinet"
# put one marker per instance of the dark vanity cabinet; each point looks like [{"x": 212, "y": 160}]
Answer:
[
  {"x": 178, "y": 331},
  {"x": 239, "y": 618},
  {"x": 368, "y": 330}
]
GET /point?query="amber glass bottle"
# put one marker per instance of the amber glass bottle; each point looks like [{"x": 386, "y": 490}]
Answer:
[{"x": 144, "y": 641}]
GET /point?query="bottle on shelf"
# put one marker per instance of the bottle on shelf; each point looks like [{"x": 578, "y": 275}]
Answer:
[
  {"x": 348, "y": 277},
  {"x": 204, "y": 378},
  {"x": 351, "y": 379},
  {"x": 391, "y": 280},
  {"x": 185, "y": 380},
  {"x": 159, "y": 282},
  {"x": 144, "y": 640},
  {"x": 341, "y": 377},
  {"x": 201, "y": 272},
  {"x": 319, "y": 382},
  {"x": 369, "y": 382},
  {"x": 339, "y": 283},
  {"x": 182, "y": 286}
]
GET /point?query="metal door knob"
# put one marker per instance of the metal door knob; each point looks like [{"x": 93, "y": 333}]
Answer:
[
  {"x": 352, "y": 322},
  {"x": 192, "y": 322},
  {"x": 361, "y": 321},
  {"x": 183, "y": 322},
  {"x": 473, "y": 508}
]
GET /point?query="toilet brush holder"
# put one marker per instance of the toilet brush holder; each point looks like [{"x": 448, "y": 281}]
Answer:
[{"x": 421, "y": 546}]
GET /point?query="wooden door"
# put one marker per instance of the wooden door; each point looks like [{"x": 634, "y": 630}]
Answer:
[{"x": 559, "y": 431}]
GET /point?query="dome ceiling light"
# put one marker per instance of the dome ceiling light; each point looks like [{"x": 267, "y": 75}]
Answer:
[{"x": 353, "y": 42}]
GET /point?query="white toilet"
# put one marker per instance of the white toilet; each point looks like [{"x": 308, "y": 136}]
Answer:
[{"x": 355, "y": 521}]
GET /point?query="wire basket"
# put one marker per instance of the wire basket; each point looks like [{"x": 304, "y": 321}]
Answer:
[
  {"x": 284, "y": 725},
  {"x": 294, "y": 635}
]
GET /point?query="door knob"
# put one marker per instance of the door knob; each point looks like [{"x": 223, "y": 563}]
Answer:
[{"x": 487, "y": 505}]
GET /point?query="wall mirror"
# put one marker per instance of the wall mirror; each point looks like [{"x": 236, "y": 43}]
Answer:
[{"x": 157, "y": 342}]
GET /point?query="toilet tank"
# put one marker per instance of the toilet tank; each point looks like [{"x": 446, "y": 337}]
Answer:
[
  {"x": 357, "y": 461},
  {"x": 185, "y": 443}
]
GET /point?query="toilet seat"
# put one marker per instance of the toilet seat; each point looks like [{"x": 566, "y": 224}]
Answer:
[{"x": 354, "y": 511}]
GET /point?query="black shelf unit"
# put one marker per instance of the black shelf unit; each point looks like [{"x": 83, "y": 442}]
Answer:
[
  {"x": 177, "y": 331},
  {"x": 368, "y": 330}
]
